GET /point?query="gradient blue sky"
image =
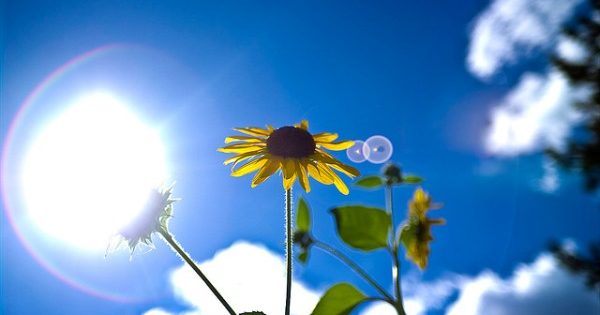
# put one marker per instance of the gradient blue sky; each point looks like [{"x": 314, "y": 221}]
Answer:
[{"x": 197, "y": 69}]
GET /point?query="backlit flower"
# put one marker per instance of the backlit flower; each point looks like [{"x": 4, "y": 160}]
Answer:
[
  {"x": 291, "y": 149},
  {"x": 152, "y": 218},
  {"x": 416, "y": 233}
]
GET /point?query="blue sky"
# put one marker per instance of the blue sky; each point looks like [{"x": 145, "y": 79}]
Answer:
[{"x": 464, "y": 93}]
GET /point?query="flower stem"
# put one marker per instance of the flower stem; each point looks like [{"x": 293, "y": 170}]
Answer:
[
  {"x": 169, "y": 239},
  {"x": 361, "y": 272},
  {"x": 389, "y": 198},
  {"x": 288, "y": 249}
]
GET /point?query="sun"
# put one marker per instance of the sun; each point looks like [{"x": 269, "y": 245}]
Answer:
[{"x": 89, "y": 171}]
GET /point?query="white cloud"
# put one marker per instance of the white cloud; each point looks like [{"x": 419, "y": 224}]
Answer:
[
  {"x": 571, "y": 50},
  {"x": 539, "y": 288},
  {"x": 382, "y": 308},
  {"x": 249, "y": 276},
  {"x": 509, "y": 29},
  {"x": 537, "y": 113},
  {"x": 549, "y": 182},
  {"x": 411, "y": 306}
]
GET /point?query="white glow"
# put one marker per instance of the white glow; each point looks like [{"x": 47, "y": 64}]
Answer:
[{"x": 89, "y": 171}]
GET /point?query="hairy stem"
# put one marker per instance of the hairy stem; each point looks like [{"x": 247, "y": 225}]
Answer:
[
  {"x": 169, "y": 239},
  {"x": 288, "y": 249},
  {"x": 352, "y": 265},
  {"x": 394, "y": 251}
]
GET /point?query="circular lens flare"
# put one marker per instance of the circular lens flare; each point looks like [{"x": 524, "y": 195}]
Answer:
[
  {"x": 89, "y": 171},
  {"x": 355, "y": 153},
  {"x": 378, "y": 149}
]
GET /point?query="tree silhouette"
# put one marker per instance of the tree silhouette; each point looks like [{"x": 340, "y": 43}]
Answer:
[
  {"x": 582, "y": 153},
  {"x": 588, "y": 266}
]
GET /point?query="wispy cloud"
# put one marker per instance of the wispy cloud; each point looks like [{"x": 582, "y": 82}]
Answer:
[
  {"x": 570, "y": 49},
  {"x": 157, "y": 311},
  {"x": 251, "y": 277},
  {"x": 539, "y": 288},
  {"x": 510, "y": 29},
  {"x": 419, "y": 296},
  {"x": 549, "y": 182},
  {"x": 537, "y": 113}
]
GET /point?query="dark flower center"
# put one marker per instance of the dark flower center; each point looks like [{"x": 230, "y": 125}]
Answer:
[{"x": 291, "y": 142}]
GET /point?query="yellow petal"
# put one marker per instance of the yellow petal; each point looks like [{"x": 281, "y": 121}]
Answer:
[
  {"x": 288, "y": 183},
  {"x": 417, "y": 246},
  {"x": 348, "y": 170},
  {"x": 320, "y": 176},
  {"x": 241, "y": 147},
  {"x": 341, "y": 186},
  {"x": 302, "y": 125},
  {"x": 249, "y": 167},
  {"x": 436, "y": 221},
  {"x": 289, "y": 173},
  {"x": 420, "y": 203},
  {"x": 244, "y": 156},
  {"x": 325, "y": 137},
  {"x": 337, "y": 181},
  {"x": 243, "y": 138},
  {"x": 333, "y": 162},
  {"x": 420, "y": 196},
  {"x": 303, "y": 176},
  {"x": 289, "y": 168},
  {"x": 265, "y": 172},
  {"x": 337, "y": 146},
  {"x": 254, "y": 131}
]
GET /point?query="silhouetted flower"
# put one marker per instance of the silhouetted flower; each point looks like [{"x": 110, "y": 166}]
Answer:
[{"x": 152, "y": 218}]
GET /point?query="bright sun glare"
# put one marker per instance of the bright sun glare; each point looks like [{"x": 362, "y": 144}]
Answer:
[{"x": 88, "y": 171}]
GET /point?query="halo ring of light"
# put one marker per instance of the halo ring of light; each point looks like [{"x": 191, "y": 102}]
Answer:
[{"x": 13, "y": 147}]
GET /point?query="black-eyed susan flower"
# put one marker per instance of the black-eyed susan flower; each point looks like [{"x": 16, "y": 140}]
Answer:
[
  {"x": 416, "y": 233},
  {"x": 154, "y": 217},
  {"x": 291, "y": 149},
  {"x": 295, "y": 152}
]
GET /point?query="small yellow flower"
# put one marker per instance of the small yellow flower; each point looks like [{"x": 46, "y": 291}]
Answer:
[
  {"x": 416, "y": 233},
  {"x": 291, "y": 149},
  {"x": 153, "y": 218}
]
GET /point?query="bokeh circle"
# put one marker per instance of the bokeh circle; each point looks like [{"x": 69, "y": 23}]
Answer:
[
  {"x": 378, "y": 149},
  {"x": 355, "y": 153}
]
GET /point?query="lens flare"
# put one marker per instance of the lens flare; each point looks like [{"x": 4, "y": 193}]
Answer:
[
  {"x": 75, "y": 163},
  {"x": 378, "y": 149},
  {"x": 89, "y": 171},
  {"x": 355, "y": 153}
]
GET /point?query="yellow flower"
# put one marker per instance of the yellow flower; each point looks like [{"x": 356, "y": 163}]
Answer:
[
  {"x": 291, "y": 149},
  {"x": 416, "y": 233}
]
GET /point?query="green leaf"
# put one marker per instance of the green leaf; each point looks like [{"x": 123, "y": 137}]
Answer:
[
  {"x": 411, "y": 179},
  {"x": 370, "y": 182},
  {"x": 363, "y": 227},
  {"x": 302, "y": 216},
  {"x": 340, "y": 299}
]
